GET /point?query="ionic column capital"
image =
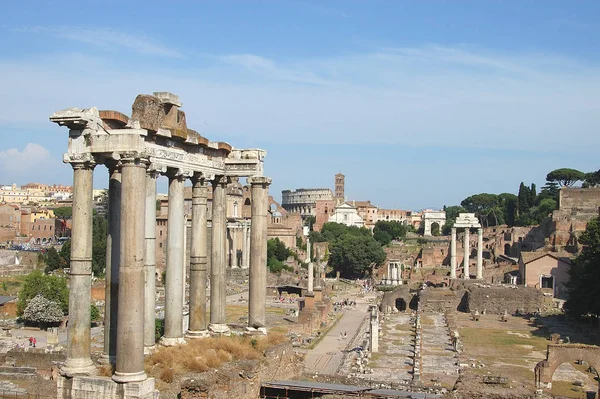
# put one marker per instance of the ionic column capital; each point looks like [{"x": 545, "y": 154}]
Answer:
[{"x": 259, "y": 181}]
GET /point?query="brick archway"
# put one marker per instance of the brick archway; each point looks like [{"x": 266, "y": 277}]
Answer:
[{"x": 559, "y": 354}]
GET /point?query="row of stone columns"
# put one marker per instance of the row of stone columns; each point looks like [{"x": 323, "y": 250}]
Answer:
[
  {"x": 131, "y": 264},
  {"x": 467, "y": 253}
]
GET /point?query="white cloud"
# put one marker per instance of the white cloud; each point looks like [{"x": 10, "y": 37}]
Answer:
[
  {"x": 426, "y": 96},
  {"x": 33, "y": 163},
  {"x": 108, "y": 39}
]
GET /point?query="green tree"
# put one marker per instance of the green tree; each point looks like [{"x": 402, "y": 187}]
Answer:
[
  {"x": 53, "y": 260},
  {"x": 565, "y": 177},
  {"x": 394, "y": 229},
  {"x": 277, "y": 253},
  {"x": 382, "y": 237},
  {"x": 316, "y": 236},
  {"x": 523, "y": 204},
  {"x": 508, "y": 204},
  {"x": 592, "y": 179},
  {"x": 332, "y": 231},
  {"x": 354, "y": 255},
  {"x": 484, "y": 205},
  {"x": 53, "y": 288},
  {"x": 99, "y": 230},
  {"x": 584, "y": 274},
  {"x": 65, "y": 252}
]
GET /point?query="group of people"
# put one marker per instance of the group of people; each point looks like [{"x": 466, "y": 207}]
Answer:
[{"x": 32, "y": 342}]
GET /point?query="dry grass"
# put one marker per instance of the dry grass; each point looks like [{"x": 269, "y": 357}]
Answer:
[{"x": 205, "y": 354}]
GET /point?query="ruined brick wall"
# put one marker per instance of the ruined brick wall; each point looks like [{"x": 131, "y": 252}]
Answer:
[
  {"x": 440, "y": 299},
  {"x": 32, "y": 358},
  {"x": 577, "y": 206},
  {"x": 499, "y": 299},
  {"x": 242, "y": 379}
]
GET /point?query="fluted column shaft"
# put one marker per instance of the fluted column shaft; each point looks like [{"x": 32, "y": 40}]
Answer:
[
  {"x": 453, "y": 254},
  {"x": 258, "y": 252},
  {"x": 130, "y": 325},
  {"x": 175, "y": 263},
  {"x": 198, "y": 258},
  {"x": 479, "y": 253},
  {"x": 467, "y": 253},
  {"x": 218, "y": 322},
  {"x": 113, "y": 245},
  {"x": 78, "y": 360},
  {"x": 150, "y": 258}
]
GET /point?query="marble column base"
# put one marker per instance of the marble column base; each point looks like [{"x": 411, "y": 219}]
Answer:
[
  {"x": 148, "y": 350},
  {"x": 256, "y": 331},
  {"x": 197, "y": 334},
  {"x": 166, "y": 341},
  {"x": 129, "y": 377},
  {"x": 73, "y": 367},
  {"x": 222, "y": 329}
]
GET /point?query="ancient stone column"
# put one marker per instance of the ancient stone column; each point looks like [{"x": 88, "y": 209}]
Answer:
[
  {"x": 150, "y": 259},
  {"x": 198, "y": 259},
  {"x": 258, "y": 252},
  {"x": 374, "y": 329},
  {"x": 480, "y": 253},
  {"x": 175, "y": 262},
  {"x": 308, "y": 258},
  {"x": 130, "y": 326},
  {"x": 244, "y": 245},
  {"x": 453, "y": 254},
  {"x": 78, "y": 360},
  {"x": 311, "y": 272},
  {"x": 218, "y": 321},
  {"x": 113, "y": 245},
  {"x": 467, "y": 253}
]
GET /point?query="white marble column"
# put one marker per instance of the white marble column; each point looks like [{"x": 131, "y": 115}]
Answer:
[
  {"x": 113, "y": 245},
  {"x": 218, "y": 320},
  {"x": 480, "y": 253},
  {"x": 198, "y": 259},
  {"x": 130, "y": 326},
  {"x": 374, "y": 330},
  {"x": 150, "y": 260},
  {"x": 311, "y": 277},
  {"x": 308, "y": 257},
  {"x": 173, "y": 291},
  {"x": 467, "y": 253},
  {"x": 258, "y": 252},
  {"x": 453, "y": 253},
  {"x": 78, "y": 360}
]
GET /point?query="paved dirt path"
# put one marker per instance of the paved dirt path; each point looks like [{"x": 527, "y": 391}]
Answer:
[{"x": 328, "y": 355}]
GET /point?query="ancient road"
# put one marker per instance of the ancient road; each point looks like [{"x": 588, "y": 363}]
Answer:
[{"x": 328, "y": 355}]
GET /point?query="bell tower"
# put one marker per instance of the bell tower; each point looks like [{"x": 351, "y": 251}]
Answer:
[{"x": 339, "y": 188}]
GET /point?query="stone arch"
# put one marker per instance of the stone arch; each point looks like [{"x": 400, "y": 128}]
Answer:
[
  {"x": 559, "y": 354},
  {"x": 391, "y": 298},
  {"x": 507, "y": 249},
  {"x": 247, "y": 202},
  {"x": 401, "y": 304},
  {"x": 435, "y": 229}
]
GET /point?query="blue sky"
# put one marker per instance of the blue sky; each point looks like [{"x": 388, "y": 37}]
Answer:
[{"x": 419, "y": 103}]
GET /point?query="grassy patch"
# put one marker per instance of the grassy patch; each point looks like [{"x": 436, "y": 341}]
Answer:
[
  {"x": 204, "y": 354},
  {"x": 567, "y": 389},
  {"x": 501, "y": 339}
]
